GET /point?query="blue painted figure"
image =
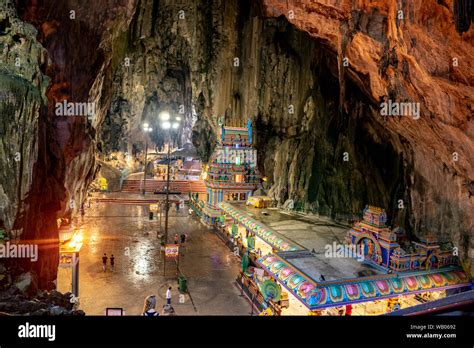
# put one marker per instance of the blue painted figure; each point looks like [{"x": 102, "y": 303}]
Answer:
[{"x": 249, "y": 128}]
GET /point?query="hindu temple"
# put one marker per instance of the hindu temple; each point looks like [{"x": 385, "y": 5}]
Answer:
[{"x": 232, "y": 173}]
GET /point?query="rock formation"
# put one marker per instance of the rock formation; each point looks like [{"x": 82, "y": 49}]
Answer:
[{"x": 21, "y": 296}]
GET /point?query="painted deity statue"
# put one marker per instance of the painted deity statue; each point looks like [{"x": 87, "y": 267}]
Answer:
[
  {"x": 249, "y": 130},
  {"x": 428, "y": 262},
  {"x": 371, "y": 249}
]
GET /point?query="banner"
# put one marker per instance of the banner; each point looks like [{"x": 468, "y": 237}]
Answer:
[
  {"x": 171, "y": 250},
  {"x": 103, "y": 184}
]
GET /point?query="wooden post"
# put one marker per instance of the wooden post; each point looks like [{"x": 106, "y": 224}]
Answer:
[
  {"x": 144, "y": 171},
  {"x": 177, "y": 265},
  {"x": 251, "y": 304}
]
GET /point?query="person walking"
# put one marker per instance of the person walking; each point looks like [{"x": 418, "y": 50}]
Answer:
[
  {"x": 183, "y": 238},
  {"x": 168, "y": 310},
  {"x": 176, "y": 239},
  {"x": 168, "y": 296},
  {"x": 112, "y": 262},
  {"x": 149, "y": 307},
  {"x": 104, "y": 262}
]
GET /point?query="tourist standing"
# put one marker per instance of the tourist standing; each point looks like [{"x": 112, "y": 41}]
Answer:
[
  {"x": 104, "y": 262},
  {"x": 112, "y": 262},
  {"x": 183, "y": 238},
  {"x": 168, "y": 296},
  {"x": 176, "y": 239},
  {"x": 149, "y": 307}
]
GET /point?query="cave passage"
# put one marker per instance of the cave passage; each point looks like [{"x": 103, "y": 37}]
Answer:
[{"x": 211, "y": 158}]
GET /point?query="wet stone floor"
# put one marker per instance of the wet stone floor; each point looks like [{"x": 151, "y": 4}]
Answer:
[{"x": 125, "y": 231}]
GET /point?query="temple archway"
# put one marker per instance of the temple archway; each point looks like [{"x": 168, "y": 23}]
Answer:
[{"x": 370, "y": 247}]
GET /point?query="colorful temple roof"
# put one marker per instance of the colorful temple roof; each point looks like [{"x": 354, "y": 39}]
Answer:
[
  {"x": 236, "y": 136},
  {"x": 233, "y": 167},
  {"x": 375, "y": 216},
  {"x": 209, "y": 210},
  {"x": 222, "y": 174},
  {"x": 289, "y": 267},
  {"x": 270, "y": 236},
  {"x": 318, "y": 295}
]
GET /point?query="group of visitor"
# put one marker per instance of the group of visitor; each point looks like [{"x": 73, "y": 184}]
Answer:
[
  {"x": 104, "y": 262},
  {"x": 180, "y": 239}
]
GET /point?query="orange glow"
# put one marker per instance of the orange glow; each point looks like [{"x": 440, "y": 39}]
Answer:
[{"x": 74, "y": 245}]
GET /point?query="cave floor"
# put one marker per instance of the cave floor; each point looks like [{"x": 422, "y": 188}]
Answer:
[{"x": 126, "y": 231}]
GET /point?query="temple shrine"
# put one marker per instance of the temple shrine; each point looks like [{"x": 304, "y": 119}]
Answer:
[
  {"x": 390, "y": 248},
  {"x": 232, "y": 173}
]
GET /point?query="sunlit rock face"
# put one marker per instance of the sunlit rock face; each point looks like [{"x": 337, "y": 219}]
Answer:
[{"x": 23, "y": 132}]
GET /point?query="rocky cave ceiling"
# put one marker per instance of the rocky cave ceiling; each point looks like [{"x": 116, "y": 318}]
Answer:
[{"x": 310, "y": 74}]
